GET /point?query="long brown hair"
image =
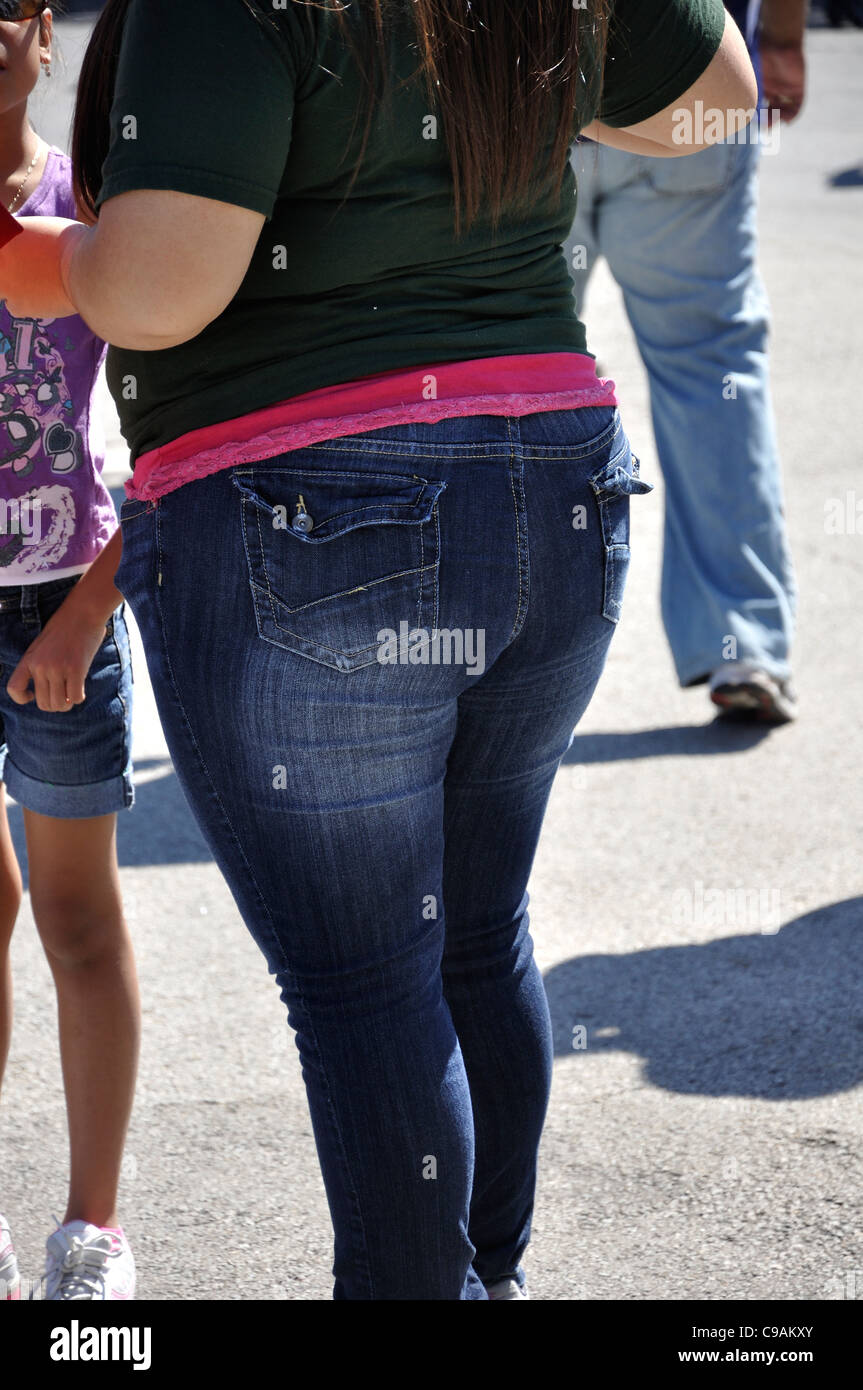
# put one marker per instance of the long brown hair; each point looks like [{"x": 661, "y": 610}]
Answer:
[{"x": 501, "y": 74}]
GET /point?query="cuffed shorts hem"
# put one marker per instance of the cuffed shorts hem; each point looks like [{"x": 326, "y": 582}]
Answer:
[{"x": 67, "y": 802}]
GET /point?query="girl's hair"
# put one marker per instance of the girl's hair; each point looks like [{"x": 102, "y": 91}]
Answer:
[{"x": 502, "y": 75}]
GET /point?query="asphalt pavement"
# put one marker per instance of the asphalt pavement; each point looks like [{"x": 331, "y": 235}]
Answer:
[{"x": 704, "y": 1142}]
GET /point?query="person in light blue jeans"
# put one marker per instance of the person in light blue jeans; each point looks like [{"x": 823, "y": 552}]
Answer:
[{"x": 680, "y": 238}]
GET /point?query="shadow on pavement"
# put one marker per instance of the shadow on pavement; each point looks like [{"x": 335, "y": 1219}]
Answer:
[
  {"x": 159, "y": 829},
  {"x": 777, "y": 1017},
  {"x": 720, "y": 736},
  {"x": 848, "y": 178}
]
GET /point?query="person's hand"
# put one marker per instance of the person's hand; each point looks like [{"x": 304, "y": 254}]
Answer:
[
  {"x": 57, "y": 662},
  {"x": 783, "y": 77}
]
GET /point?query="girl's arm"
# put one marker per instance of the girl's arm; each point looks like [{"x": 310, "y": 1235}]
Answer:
[{"x": 58, "y": 660}]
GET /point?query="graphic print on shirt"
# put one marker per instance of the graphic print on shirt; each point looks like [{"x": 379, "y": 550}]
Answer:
[{"x": 36, "y": 438}]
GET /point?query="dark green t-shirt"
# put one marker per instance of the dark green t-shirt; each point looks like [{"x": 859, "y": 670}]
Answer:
[{"x": 213, "y": 100}]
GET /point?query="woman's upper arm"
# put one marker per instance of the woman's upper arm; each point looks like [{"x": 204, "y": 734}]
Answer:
[
  {"x": 181, "y": 259},
  {"x": 662, "y": 57},
  {"x": 195, "y": 165},
  {"x": 727, "y": 85}
]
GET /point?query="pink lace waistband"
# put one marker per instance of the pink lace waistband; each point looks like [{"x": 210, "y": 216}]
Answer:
[{"x": 568, "y": 381}]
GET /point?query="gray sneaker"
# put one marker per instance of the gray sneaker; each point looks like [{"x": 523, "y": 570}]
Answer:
[
  {"x": 744, "y": 691},
  {"x": 86, "y": 1262}
]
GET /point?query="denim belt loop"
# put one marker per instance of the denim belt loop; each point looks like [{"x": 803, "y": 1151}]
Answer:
[
  {"x": 10, "y": 598},
  {"x": 29, "y": 604}
]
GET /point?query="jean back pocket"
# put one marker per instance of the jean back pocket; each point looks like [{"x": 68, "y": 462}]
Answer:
[{"x": 336, "y": 556}]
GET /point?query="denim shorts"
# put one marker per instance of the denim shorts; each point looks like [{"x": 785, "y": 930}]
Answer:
[{"x": 74, "y": 763}]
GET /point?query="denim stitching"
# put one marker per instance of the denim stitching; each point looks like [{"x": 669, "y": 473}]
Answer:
[
  {"x": 362, "y": 474},
  {"x": 133, "y": 516},
  {"x": 197, "y": 751},
  {"x": 285, "y": 969},
  {"x": 343, "y": 593},
  {"x": 346, "y": 517},
  {"x": 421, "y": 583},
  {"x": 127, "y": 723},
  {"x": 517, "y": 625},
  {"x": 399, "y": 449},
  {"x": 436, "y": 567},
  {"x": 322, "y": 646},
  {"x": 350, "y": 1187}
]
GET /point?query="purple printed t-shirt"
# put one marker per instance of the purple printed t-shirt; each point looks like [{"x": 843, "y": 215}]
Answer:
[{"x": 56, "y": 514}]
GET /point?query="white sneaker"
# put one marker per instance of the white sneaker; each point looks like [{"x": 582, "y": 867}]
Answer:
[
  {"x": 85, "y": 1262},
  {"x": 10, "y": 1279},
  {"x": 506, "y": 1290}
]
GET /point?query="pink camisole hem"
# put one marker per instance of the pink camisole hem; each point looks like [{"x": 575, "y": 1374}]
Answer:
[{"x": 517, "y": 385}]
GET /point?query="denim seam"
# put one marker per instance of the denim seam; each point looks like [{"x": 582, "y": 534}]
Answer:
[
  {"x": 127, "y": 722},
  {"x": 343, "y": 593},
  {"x": 518, "y": 623},
  {"x": 453, "y": 451},
  {"x": 357, "y": 1216},
  {"x": 336, "y": 651},
  {"x": 403, "y": 450},
  {"x": 285, "y": 968},
  {"x": 436, "y": 567},
  {"x": 133, "y": 516},
  {"x": 362, "y": 474},
  {"x": 421, "y": 583},
  {"x": 198, "y": 754}
]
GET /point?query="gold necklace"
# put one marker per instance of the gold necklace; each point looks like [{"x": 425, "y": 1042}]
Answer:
[{"x": 14, "y": 202}]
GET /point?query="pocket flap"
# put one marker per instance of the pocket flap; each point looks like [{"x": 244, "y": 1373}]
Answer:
[
  {"x": 614, "y": 479},
  {"x": 331, "y": 503}
]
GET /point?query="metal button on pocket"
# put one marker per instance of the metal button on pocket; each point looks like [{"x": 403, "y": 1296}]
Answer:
[{"x": 302, "y": 521}]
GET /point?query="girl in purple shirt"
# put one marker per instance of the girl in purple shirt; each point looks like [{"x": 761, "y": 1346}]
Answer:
[{"x": 65, "y": 708}]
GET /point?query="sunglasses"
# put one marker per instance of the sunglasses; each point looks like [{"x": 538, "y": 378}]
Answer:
[{"x": 17, "y": 10}]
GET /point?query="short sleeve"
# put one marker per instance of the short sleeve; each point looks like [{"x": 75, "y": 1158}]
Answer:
[
  {"x": 656, "y": 50},
  {"x": 203, "y": 102}
]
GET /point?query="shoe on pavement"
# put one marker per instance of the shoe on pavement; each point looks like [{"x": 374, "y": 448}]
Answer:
[
  {"x": 86, "y": 1262},
  {"x": 744, "y": 691},
  {"x": 10, "y": 1279},
  {"x": 506, "y": 1290}
]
